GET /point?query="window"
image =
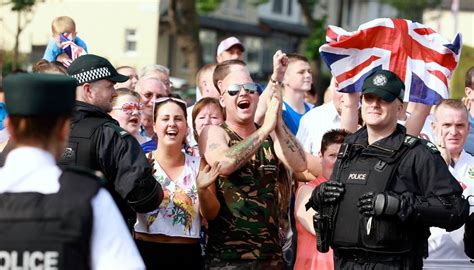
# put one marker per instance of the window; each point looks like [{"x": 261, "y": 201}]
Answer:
[
  {"x": 277, "y": 6},
  {"x": 290, "y": 7},
  {"x": 253, "y": 50},
  {"x": 130, "y": 40},
  {"x": 208, "y": 44}
]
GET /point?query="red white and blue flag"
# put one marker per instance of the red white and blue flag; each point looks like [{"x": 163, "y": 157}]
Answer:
[
  {"x": 70, "y": 48},
  {"x": 422, "y": 58}
]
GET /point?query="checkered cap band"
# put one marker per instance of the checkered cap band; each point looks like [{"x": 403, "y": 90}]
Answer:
[{"x": 92, "y": 75}]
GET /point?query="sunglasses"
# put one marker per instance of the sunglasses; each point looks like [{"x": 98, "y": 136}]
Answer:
[
  {"x": 234, "y": 89},
  {"x": 164, "y": 99},
  {"x": 130, "y": 107},
  {"x": 179, "y": 101}
]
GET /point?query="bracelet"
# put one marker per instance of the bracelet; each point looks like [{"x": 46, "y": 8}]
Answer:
[{"x": 275, "y": 81}]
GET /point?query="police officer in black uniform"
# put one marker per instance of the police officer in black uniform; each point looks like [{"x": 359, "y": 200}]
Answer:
[
  {"x": 97, "y": 141},
  {"x": 53, "y": 219},
  {"x": 386, "y": 190},
  {"x": 469, "y": 237}
]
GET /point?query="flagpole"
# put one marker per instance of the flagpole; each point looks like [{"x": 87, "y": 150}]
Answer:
[{"x": 455, "y": 10}]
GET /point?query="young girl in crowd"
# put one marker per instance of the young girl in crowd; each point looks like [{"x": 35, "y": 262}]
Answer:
[
  {"x": 307, "y": 257},
  {"x": 127, "y": 110},
  {"x": 168, "y": 238}
]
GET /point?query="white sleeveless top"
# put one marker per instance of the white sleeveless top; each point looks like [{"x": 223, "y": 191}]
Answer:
[{"x": 178, "y": 213}]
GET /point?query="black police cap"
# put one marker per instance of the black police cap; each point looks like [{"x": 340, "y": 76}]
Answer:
[
  {"x": 384, "y": 84},
  {"x": 28, "y": 94},
  {"x": 90, "y": 68}
]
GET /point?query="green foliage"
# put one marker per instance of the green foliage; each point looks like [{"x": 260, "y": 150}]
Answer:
[
  {"x": 258, "y": 2},
  {"x": 22, "y": 5},
  {"x": 7, "y": 64},
  {"x": 412, "y": 9},
  {"x": 316, "y": 39},
  {"x": 205, "y": 6},
  {"x": 457, "y": 80}
]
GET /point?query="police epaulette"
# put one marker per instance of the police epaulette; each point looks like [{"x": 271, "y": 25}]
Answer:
[
  {"x": 410, "y": 141},
  {"x": 120, "y": 131},
  {"x": 433, "y": 149},
  {"x": 98, "y": 175}
]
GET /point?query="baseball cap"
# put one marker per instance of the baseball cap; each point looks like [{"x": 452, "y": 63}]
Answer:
[
  {"x": 90, "y": 68},
  {"x": 39, "y": 94},
  {"x": 384, "y": 84},
  {"x": 227, "y": 43}
]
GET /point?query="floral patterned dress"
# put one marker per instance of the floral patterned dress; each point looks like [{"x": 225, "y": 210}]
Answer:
[{"x": 178, "y": 213}]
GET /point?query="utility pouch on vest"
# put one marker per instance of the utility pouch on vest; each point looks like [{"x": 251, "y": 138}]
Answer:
[
  {"x": 80, "y": 149},
  {"x": 384, "y": 232},
  {"x": 369, "y": 170}
]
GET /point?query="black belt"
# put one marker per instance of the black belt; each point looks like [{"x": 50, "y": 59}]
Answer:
[{"x": 363, "y": 256}]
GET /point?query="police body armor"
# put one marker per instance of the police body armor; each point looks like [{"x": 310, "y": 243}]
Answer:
[
  {"x": 369, "y": 169},
  {"x": 49, "y": 231},
  {"x": 80, "y": 149}
]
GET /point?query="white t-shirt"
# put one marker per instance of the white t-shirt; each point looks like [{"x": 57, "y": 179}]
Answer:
[
  {"x": 178, "y": 213},
  {"x": 446, "y": 249},
  {"x": 29, "y": 169},
  {"x": 314, "y": 124}
]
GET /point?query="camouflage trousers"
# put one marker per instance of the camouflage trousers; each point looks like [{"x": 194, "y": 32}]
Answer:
[{"x": 218, "y": 264}]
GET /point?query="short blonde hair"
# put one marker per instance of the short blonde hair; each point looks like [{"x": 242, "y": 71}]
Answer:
[{"x": 63, "y": 24}]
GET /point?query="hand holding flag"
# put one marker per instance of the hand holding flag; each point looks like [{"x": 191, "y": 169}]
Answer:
[{"x": 70, "y": 48}]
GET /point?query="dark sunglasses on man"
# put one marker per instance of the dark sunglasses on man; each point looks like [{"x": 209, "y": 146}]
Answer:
[{"x": 234, "y": 89}]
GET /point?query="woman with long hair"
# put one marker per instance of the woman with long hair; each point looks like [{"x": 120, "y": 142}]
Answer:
[{"x": 163, "y": 236}]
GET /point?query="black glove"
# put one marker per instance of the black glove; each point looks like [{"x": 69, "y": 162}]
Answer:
[
  {"x": 386, "y": 203},
  {"x": 328, "y": 193}
]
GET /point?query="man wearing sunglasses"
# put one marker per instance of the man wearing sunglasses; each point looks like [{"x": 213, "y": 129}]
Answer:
[
  {"x": 97, "y": 141},
  {"x": 244, "y": 204}
]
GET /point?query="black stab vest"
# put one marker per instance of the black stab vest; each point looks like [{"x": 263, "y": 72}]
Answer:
[
  {"x": 49, "y": 231},
  {"x": 80, "y": 149},
  {"x": 369, "y": 169}
]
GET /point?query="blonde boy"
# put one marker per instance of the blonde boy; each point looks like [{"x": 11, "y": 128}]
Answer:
[{"x": 66, "y": 27}]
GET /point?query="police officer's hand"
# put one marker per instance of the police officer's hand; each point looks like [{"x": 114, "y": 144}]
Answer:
[
  {"x": 328, "y": 193},
  {"x": 384, "y": 203}
]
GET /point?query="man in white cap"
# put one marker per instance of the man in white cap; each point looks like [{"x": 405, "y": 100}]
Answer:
[{"x": 230, "y": 48}]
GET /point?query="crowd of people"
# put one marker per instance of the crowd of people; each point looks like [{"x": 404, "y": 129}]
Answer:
[{"x": 107, "y": 168}]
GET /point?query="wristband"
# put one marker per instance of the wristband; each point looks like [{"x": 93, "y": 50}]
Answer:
[{"x": 275, "y": 81}]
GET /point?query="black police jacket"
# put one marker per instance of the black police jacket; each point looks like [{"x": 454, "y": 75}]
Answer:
[{"x": 119, "y": 156}]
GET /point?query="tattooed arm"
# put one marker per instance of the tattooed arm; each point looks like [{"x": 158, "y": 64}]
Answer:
[
  {"x": 213, "y": 143},
  {"x": 288, "y": 150}
]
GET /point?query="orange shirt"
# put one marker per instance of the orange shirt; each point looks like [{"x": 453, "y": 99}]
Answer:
[{"x": 307, "y": 256}]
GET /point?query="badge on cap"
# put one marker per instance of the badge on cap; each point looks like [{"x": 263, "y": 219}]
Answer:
[{"x": 380, "y": 80}]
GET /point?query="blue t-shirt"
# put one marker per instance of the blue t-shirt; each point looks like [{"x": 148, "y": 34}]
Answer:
[
  {"x": 292, "y": 118},
  {"x": 52, "y": 50},
  {"x": 469, "y": 145},
  {"x": 3, "y": 114}
]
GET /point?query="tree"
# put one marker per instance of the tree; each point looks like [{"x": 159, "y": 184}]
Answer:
[
  {"x": 184, "y": 23},
  {"x": 22, "y": 8},
  {"x": 412, "y": 10}
]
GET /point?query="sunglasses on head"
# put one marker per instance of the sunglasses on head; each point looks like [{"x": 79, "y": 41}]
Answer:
[
  {"x": 234, "y": 89},
  {"x": 130, "y": 107},
  {"x": 164, "y": 99}
]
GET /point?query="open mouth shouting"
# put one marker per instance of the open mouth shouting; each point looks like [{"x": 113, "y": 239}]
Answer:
[
  {"x": 243, "y": 104},
  {"x": 172, "y": 133}
]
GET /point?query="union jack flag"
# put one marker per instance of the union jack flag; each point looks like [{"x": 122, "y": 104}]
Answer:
[
  {"x": 422, "y": 58},
  {"x": 70, "y": 48}
]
